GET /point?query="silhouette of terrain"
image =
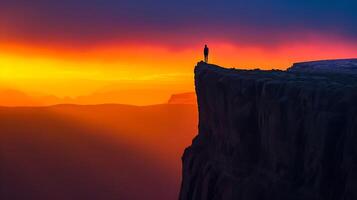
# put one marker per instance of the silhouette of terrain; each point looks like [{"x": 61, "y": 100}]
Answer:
[
  {"x": 13, "y": 98},
  {"x": 93, "y": 152},
  {"x": 274, "y": 134},
  {"x": 183, "y": 98},
  {"x": 345, "y": 66}
]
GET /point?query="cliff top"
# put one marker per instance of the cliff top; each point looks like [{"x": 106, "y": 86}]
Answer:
[
  {"x": 336, "y": 66},
  {"x": 293, "y": 75}
]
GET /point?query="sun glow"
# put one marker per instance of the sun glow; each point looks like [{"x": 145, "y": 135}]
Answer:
[{"x": 159, "y": 70}]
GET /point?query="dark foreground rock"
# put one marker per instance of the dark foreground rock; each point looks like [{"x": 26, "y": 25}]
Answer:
[
  {"x": 266, "y": 135},
  {"x": 348, "y": 66}
]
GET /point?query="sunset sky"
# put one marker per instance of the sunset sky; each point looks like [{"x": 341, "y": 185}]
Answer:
[{"x": 79, "y": 47}]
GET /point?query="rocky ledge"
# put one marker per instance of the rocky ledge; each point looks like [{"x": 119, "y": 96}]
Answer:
[
  {"x": 346, "y": 66},
  {"x": 271, "y": 135}
]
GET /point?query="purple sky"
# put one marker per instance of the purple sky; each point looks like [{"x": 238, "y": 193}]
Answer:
[{"x": 257, "y": 22}]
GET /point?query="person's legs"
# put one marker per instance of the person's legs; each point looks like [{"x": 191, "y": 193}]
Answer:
[{"x": 206, "y": 59}]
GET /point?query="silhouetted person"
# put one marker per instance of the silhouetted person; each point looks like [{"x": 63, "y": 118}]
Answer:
[{"x": 205, "y": 52}]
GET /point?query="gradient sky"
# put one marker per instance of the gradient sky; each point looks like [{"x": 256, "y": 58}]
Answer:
[{"x": 75, "y": 47}]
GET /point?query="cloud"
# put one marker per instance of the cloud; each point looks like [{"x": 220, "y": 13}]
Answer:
[{"x": 257, "y": 22}]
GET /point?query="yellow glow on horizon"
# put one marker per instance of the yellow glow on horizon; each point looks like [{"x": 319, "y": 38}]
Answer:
[
  {"x": 14, "y": 67},
  {"x": 74, "y": 72}
]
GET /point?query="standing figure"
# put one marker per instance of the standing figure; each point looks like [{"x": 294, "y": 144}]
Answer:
[{"x": 205, "y": 52}]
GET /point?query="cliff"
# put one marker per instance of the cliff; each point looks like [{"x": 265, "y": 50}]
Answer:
[
  {"x": 346, "y": 66},
  {"x": 266, "y": 135}
]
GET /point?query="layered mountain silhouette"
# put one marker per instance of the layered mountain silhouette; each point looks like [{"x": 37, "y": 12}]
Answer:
[
  {"x": 11, "y": 97},
  {"x": 15, "y": 98}
]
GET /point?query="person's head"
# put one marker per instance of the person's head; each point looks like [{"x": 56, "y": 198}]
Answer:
[{"x": 206, "y": 45}]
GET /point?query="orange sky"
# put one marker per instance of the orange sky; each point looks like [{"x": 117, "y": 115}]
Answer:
[
  {"x": 40, "y": 70},
  {"x": 141, "y": 51}
]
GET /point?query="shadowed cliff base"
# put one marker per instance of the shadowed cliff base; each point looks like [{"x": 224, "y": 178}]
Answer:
[{"x": 273, "y": 134}]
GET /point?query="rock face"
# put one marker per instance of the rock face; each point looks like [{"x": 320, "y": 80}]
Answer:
[
  {"x": 335, "y": 66},
  {"x": 271, "y": 135}
]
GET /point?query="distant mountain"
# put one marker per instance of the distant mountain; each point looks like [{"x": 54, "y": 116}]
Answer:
[
  {"x": 183, "y": 98},
  {"x": 128, "y": 97},
  {"x": 13, "y": 98},
  {"x": 49, "y": 100},
  {"x": 9, "y": 97}
]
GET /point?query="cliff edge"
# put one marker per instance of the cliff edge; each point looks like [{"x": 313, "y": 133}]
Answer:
[{"x": 266, "y": 135}]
